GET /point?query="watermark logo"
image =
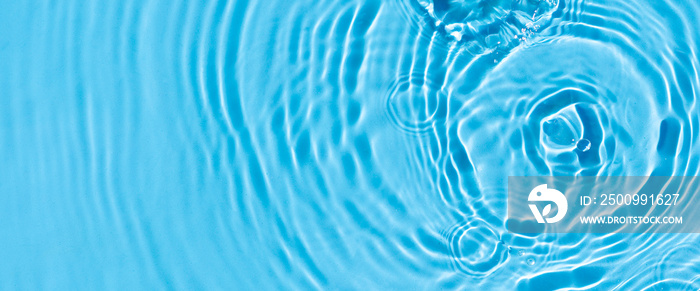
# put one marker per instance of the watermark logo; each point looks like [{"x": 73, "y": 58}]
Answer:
[
  {"x": 603, "y": 204},
  {"x": 540, "y": 194}
]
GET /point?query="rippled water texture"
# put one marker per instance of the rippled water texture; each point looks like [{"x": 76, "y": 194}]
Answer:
[{"x": 275, "y": 145}]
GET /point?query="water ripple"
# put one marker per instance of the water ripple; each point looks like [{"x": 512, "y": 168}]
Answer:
[
  {"x": 600, "y": 89},
  {"x": 336, "y": 144},
  {"x": 415, "y": 104},
  {"x": 475, "y": 249}
]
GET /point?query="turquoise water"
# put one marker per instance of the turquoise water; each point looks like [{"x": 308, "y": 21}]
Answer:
[{"x": 273, "y": 145}]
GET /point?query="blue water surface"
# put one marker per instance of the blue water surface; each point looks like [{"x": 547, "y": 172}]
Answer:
[{"x": 334, "y": 145}]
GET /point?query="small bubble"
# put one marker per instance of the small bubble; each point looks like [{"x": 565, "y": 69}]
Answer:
[
  {"x": 530, "y": 262},
  {"x": 521, "y": 253},
  {"x": 583, "y": 145},
  {"x": 495, "y": 61}
]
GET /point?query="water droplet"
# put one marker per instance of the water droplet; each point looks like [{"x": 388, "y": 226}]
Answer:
[
  {"x": 521, "y": 253},
  {"x": 530, "y": 262},
  {"x": 583, "y": 145}
]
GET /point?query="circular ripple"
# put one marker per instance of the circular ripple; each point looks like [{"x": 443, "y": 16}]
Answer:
[
  {"x": 544, "y": 113},
  {"x": 476, "y": 249},
  {"x": 414, "y": 104},
  {"x": 564, "y": 117},
  {"x": 608, "y": 91}
]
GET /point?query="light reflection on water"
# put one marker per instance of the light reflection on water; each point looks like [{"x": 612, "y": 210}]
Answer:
[{"x": 334, "y": 144}]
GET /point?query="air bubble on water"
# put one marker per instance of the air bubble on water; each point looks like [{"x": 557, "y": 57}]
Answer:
[
  {"x": 583, "y": 145},
  {"x": 530, "y": 262},
  {"x": 521, "y": 253}
]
